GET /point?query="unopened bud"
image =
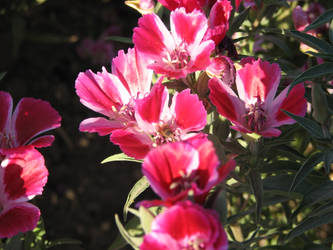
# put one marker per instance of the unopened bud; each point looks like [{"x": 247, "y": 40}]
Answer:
[{"x": 202, "y": 84}]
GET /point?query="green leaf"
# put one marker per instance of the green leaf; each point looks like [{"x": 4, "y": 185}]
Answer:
[
  {"x": 140, "y": 186},
  {"x": 120, "y": 157},
  {"x": 14, "y": 243},
  {"x": 120, "y": 39},
  {"x": 311, "y": 41},
  {"x": 328, "y": 160},
  {"x": 311, "y": 126},
  {"x": 64, "y": 241},
  {"x": 146, "y": 218},
  {"x": 134, "y": 231},
  {"x": 313, "y": 72},
  {"x": 306, "y": 169},
  {"x": 331, "y": 32},
  {"x": 257, "y": 189},
  {"x": 132, "y": 240},
  {"x": 281, "y": 43},
  {"x": 237, "y": 22},
  {"x": 322, "y": 19},
  {"x": 328, "y": 207},
  {"x": 2, "y": 75},
  {"x": 310, "y": 223}
]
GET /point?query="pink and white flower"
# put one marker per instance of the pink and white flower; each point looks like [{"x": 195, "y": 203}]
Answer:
[
  {"x": 157, "y": 123},
  {"x": 22, "y": 176},
  {"x": 31, "y": 117},
  {"x": 175, "y": 169},
  {"x": 186, "y": 226},
  {"x": 179, "y": 52},
  {"x": 113, "y": 95},
  {"x": 255, "y": 110}
]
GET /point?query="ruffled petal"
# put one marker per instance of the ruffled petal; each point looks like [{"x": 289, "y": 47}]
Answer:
[
  {"x": 31, "y": 118},
  {"x": 152, "y": 29},
  {"x": 42, "y": 141},
  {"x": 132, "y": 71},
  {"x": 258, "y": 79},
  {"x": 6, "y": 105},
  {"x": 18, "y": 218},
  {"x": 200, "y": 56},
  {"x": 159, "y": 241},
  {"x": 190, "y": 112},
  {"x": 294, "y": 103},
  {"x": 226, "y": 101},
  {"x": 24, "y": 173},
  {"x": 132, "y": 143},
  {"x": 100, "y": 125},
  {"x": 188, "y": 28}
]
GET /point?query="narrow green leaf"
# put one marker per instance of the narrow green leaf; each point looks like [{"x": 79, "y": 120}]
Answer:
[
  {"x": 310, "y": 223},
  {"x": 328, "y": 160},
  {"x": 276, "y": 2},
  {"x": 306, "y": 169},
  {"x": 326, "y": 208},
  {"x": 257, "y": 189},
  {"x": 322, "y": 19},
  {"x": 311, "y": 41},
  {"x": 331, "y": 32},
  {"x": 65, "y": 241},
  {"x": 322, "y": 55},
  {"x": 140, "y": 186},
  {"x": 146, "y": 218},
  {"x": 120, "y": 157},
  {"x": 237, "y": 22},
  {"x": 313, "y": 72},
  {"x": 311, "y": 126},
  {"x": 281, "y": 43},
  {"x": 120, "y": 39},
  {"x": 133, "y": 241},
  {"x": 134, "y": 231},
  {"x": 2, "y": 75}
]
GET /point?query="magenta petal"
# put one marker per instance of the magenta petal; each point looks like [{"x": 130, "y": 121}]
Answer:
[
  {"x": 133, "y": 144},
  {"x": 132, "y": 71},
  {"x": 167, "y": 164},
  {"x": 18, "y": 218},
  {"x": 6, "y": 105},
  {"x": 258, "y": 80},
  {"x": 33, "y": 117},
  {"x": 42, "y": 141},
  {"x": 226, "y": 169},
  {"x": 271, "y": 132},
  {"x": 24, "y": 173},
  {"x": 100, "y": 125},
  {"x": 152, "y": 29},
  {"x": 190, "y": 112},
  {"x": 159, "y": 241},
  {"x": 188, "y": 27},
  {"x": 201, "y": 56},
  {"x": 150, "y": 108},
  {"x": 294, "y": 103},
  {"x": 226, "y": 101}
]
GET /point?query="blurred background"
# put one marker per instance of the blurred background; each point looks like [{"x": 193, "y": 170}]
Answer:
[{"x": 44, "y": 44}]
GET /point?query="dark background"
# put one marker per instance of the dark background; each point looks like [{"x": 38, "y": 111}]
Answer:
[{"x": 38, "y": 50}]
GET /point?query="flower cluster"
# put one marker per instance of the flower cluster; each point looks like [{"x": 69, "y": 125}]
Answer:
[
  {"x": 22, "y": 173},
  {"x": 179, "y": 161}
]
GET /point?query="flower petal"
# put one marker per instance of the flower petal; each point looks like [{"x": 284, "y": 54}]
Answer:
[
  {"x": 42, "y": 141},
  {"x": 31, "y": 118},
  {"x": 24, "y": 173},
  {"x": 152, "y": 29},
  {"x": 190, "y": 112},
  {"x": 18, "y": 218},
  {"x": 132, "y": 143},
  {"x": 188, "y": 28},
  {"x": 226, "y": 101},
  {"x": 6, "y": 105},
  {"x": 100, "y": 125}
]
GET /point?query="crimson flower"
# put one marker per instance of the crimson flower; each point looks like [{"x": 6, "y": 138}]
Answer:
[
  {"x": 22, "y": 176},
  {"x": 113, "y": 94},
  {"x": 179, "y": 52},
  {"x": 30, "y": 118},
  {"x": 175, "y": 169},
  {"x": 157, "y": 123},
  {"x": 255, "y": 110},
  {"x": 186, "y": 226}
]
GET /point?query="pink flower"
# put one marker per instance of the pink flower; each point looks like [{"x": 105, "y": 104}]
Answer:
[
  {"x": 175, "y": 169},
  {"x": 186, "y": 226},
  {"x": 255, "y": 110},
  {"x": 180, "y": 52},
  {"x": 157, "y": 123},
  {"x": 113, "y": 95},
  {"x": 31, "y": 117},
  {"x": 189, "y": 5},
  {"x": 22, "y": 176},
  {"x": 222, "y": 67}
]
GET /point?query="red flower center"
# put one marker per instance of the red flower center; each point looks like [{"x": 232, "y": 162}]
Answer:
[
  {"x": 256, "y": 116},
  {"x": 178, "y": 58}
]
